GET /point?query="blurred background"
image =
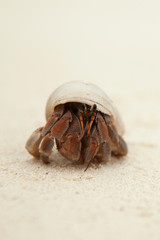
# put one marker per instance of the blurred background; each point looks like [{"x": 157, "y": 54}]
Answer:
[{"x": 114, "y": 44}]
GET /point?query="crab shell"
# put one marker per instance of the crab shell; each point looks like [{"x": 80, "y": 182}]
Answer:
[{"x": 87, "y": 93}]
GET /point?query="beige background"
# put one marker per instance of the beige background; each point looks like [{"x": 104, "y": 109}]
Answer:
[{"x": 116, "y": 45}]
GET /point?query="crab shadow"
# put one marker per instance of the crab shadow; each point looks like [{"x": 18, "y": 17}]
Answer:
[
  {"x": 59, "y": 162},
  {"x": 56, "y": 161}
]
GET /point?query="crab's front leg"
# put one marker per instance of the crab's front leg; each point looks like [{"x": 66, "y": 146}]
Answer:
[
  {"x": 57, "y": 114},
  {"x": 32, "y": 144},
  {"x": 69, "y": 145},
  {"x": 105, "y": 147},
  {"x": 91, "y": 146},
  {"x": 56, "y": 132},
  {"x": 41, "y": 141},
  {"x": 39, "y": 146},
  {"x": 120, "y": 146},
  {"x": 45, "y": 148}
]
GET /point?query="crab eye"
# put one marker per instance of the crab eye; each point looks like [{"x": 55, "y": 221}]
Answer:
[
  {"x": 94, "y": 108},
  {"x": 83, "y": 106}
]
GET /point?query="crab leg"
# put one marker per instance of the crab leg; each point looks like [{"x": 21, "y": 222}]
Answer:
[
  {"x": 61, "y": 126},
  {"x": 56, "y": 131},
  {"x": 121, "y": 148},
  {"x": 91, "y": 146},
  {"x": 105, "y": 148},
  {"x": 32, "y": 145},
  {"x": 80, "y": 116},
  {"x": 111, "y": 129},
  {"x": 93, "y": 115},
  {"x": 45, "y": 148},
  {"x": 70, "y": 144},
  {"x": 58, "y": 112}
]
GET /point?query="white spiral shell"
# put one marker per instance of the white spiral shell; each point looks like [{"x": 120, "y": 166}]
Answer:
[{"x": 87, "y": 93}]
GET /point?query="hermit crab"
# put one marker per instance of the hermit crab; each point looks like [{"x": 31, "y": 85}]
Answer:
[{"x": 82, "y": 122}]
